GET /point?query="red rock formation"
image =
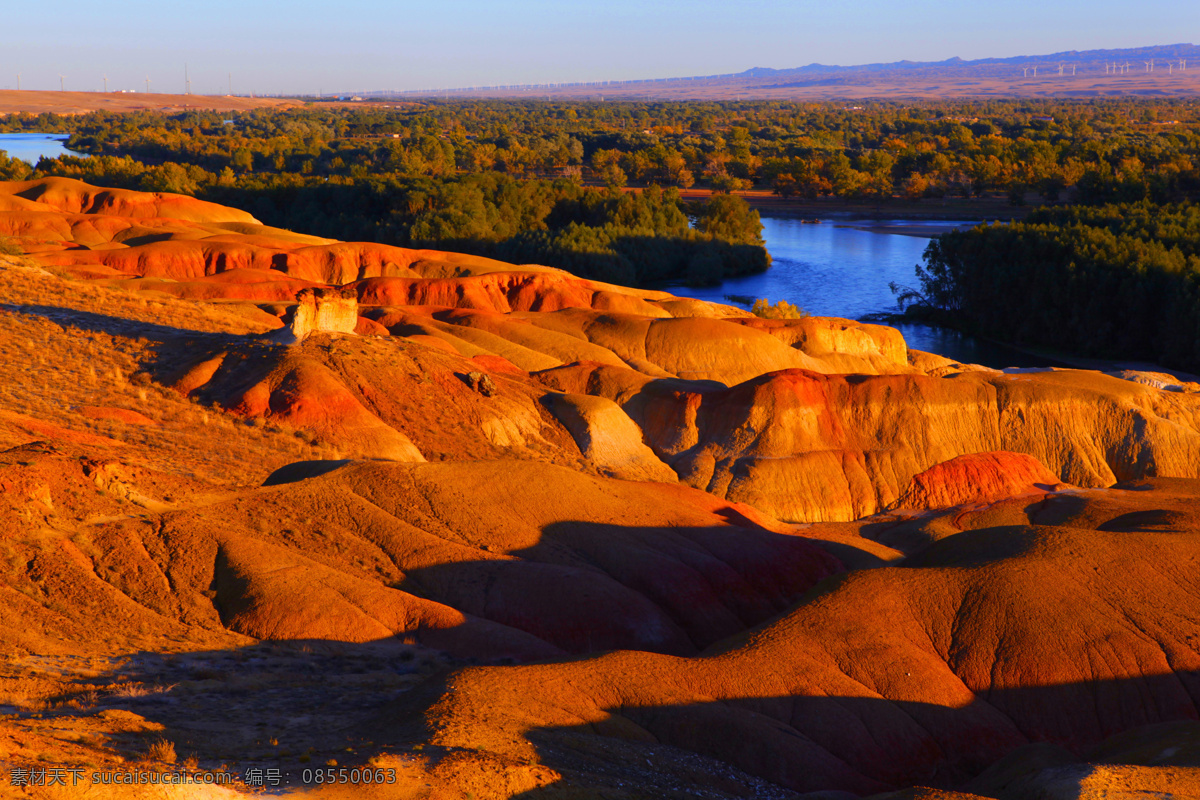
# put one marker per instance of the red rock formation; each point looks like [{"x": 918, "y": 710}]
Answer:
[
  {"x": 977, "y": 478},
  {"x": 76, "y": 197},
  {"x": 805, "y": 447},
  {"x": 988, "y": 636},
  {"x": 304, "y": 393},
  {"x": 783, "y": 437}
]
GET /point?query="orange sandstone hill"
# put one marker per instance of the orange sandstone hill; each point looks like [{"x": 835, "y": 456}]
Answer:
[{"x": 271, "y": 503}]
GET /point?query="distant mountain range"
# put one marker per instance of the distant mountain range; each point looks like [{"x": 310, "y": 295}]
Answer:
[
  {"x": 1160, "y": 70},
  {"x": 1136, "y": 55}
]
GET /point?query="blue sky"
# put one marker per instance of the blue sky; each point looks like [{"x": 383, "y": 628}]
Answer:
[{"x": 272, "y": 46}]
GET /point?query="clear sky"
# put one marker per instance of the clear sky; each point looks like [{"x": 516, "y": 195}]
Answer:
[{"x": 304, "y": 46}]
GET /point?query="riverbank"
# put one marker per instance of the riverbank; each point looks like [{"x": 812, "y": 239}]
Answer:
[
  {"x": 933, "y": 228},
  {"x": 1107, "y": 365},
  {"x": 930, "y": 208},
  {"x": 1032, "y": 356}
]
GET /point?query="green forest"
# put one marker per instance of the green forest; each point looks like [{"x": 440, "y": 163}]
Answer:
[
  {"x": 1111, "y": 281},
  {"x": 1104, "y": 265},
  {"x": 1101, "y": 150},
  {"x": 543, "y": 181}
]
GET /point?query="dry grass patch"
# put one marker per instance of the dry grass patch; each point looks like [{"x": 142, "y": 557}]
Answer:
[
  {"x": 72, "y": 355},
  {"x": 162, "y": 750}
]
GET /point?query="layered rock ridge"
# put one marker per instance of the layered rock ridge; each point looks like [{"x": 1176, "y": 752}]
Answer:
[
  {"x": 808, "y": 420},
  {"x": 511, "y": 533}
]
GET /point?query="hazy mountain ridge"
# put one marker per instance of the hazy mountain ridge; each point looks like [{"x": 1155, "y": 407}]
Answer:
[
  {"x": 1167, "y": 51},
  {"x": 1088, "y": 72}
]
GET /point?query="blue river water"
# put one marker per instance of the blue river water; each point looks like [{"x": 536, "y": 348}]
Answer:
[
  {"x": 842, "y": 268},
  {"x": 32, "y": 146}
]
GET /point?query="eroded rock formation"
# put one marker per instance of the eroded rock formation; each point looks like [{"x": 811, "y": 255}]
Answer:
[
  {"x": 687, "y": 552},
  {"x": 333, "y": 310}
]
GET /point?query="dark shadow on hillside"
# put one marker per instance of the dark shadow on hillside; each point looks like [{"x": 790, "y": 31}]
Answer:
[
  {"x": 299, "y": 705},
  {"x": 588, "y": 586},
  {"x": 173, "y": 351},
  {"x": 865, "y": 745},
  {"x": 171, "y": 348},
  {"x": 865, "y": 695},
  {"x": 116, "y": 326},
  {"x": 635, "y": 405},
  {"x": 290, "y": 705},
  {"x": 907, "y": 535}
]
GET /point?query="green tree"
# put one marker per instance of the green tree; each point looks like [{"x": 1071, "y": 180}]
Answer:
[{"x": 729, "y": 217}]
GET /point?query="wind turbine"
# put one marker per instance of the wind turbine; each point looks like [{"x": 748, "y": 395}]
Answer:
[
  {"x": 106, "y": 84},
  {"x": 1060, "y": 68},
  {"x": 1182, "y": 64},
  {"x": 62, "y": 87},
  {"x": 1150, "y": 65},
  {"x": 18, "y": 81},
  {"x": 1024, "y": 72},
  {"x": 147, "y": 84}
]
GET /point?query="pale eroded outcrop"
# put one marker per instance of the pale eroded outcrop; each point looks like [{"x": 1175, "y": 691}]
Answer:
[
  {"x": 608, "y": 437},
  {"x": 333, "y": 310}
]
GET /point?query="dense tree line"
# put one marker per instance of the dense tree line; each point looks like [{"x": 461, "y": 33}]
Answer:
[
  {"x": 13, "y": 169},
  {"x": 1120, "y": 280},
  {"x": 538, "y": 181},
  {"x": 633, "y": 238},
  {"x": 1109, "y": 150}
]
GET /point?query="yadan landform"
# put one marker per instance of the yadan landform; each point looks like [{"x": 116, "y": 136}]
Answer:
[{"x": 281, "y": 513}]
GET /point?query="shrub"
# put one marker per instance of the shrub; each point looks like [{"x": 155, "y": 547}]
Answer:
[
  {"x": 162, "y": 750},
  {"x": 781, "y": 310}
]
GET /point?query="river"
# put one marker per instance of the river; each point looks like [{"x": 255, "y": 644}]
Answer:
[
  {"x": 32, "y": 146},
  {"x": 842, "y": 268}
]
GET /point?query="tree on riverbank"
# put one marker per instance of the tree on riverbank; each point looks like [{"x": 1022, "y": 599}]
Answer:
[
  {"x": 1114, "y": 281},
  {"x": 536, "y": 180}
]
